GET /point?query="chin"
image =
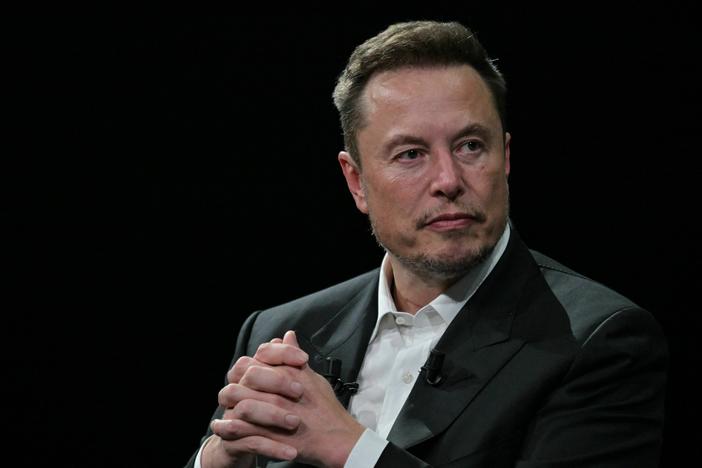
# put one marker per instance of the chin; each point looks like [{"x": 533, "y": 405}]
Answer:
[{"x": 446, "y": 265}]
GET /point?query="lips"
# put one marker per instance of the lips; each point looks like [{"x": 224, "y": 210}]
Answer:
[
  {"x": 449, "y": 217},
  {"x": 450, "y": 221}
]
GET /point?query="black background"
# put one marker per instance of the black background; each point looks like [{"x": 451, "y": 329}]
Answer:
[{"x": 164, "y": 177}]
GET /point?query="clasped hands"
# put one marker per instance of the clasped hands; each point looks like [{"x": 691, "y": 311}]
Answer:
[{"x": 278, "y": 407}]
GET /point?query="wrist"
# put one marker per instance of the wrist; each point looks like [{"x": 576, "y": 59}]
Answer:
[{"x": 341, "y": 449}]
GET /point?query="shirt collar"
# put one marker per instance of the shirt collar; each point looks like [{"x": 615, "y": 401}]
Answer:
[{"x": 451, "y": 301}]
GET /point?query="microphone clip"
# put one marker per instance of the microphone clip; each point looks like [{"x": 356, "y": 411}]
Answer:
[
  {"x": 432, "y": 368},
  {"x": 333, "y": 376}
]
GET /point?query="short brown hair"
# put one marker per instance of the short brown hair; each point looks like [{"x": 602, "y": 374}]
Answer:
[{"x": 417, "y": 43}]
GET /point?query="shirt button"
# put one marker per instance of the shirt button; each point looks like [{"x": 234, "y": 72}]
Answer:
[
  {"x": 400, "y": 320},
  {"x": 407, "y": 377}
]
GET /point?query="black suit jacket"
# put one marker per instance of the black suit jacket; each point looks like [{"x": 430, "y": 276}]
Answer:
[{"x": 543, "y": 368}]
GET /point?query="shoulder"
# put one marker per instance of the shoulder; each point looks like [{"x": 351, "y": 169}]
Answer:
[
  {"x": 316, "y": 307},
  {"x": 333, "y": 296},
  {"x": 589, "y": 305}
]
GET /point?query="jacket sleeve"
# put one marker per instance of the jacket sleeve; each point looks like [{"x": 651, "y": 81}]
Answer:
[
  {"x": 241, "y": 346},
  {"x": 608, "y": 410},
  {"x": 394, "y": 456}
]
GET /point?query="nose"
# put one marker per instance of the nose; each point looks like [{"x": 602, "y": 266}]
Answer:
[{"x": 447, "y": 180}]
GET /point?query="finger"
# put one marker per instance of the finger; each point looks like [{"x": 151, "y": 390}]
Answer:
[
  {"x": 268, "y": 448},
  {"x": 276, "y": 340},
  {"x": 233, "y": 429},
  {"x": 290, "y": 338},
  {"x": 276, "y": 354},
  {"x": 272, "y": 380},
  {"x": 232, "y": 394},
  {"x": 260, "y": 413},
  {"x": 240, "y": 367},
  {"x": 259, "y": 445}
]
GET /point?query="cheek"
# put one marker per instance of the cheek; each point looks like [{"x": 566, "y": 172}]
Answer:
[
  {"x": 396, "y": 195},
  {"x": 489, "y": 186},
  {"x": 499, "y": 193},
  {"x": 404, "y": 204},
  {"x": 392, "y": 215},
  {"x": 493, "y": 176}
]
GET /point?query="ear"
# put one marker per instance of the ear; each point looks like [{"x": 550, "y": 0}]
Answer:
[
  {"x": 353, "y": 180},
  {"x": 508, "y": 140}
]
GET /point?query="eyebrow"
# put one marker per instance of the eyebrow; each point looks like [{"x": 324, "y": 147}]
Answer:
[
  {"x": 402, "y": 139},
  {"x": 471, "y": 129},
  {"x": 474, "y": 129}
]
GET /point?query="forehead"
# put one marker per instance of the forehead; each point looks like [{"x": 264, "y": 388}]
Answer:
[
  {"x": 427, "y": 89},
  {"x": 426, "y": 100}
]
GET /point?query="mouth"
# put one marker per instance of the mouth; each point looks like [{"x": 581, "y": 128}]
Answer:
[{"x": 451, "y": 221}]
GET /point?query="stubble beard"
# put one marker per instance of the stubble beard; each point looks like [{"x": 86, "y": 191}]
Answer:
[{"x": 443, "y": 269}]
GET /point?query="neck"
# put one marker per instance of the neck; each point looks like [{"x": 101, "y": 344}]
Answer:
[{"x": 410, "y": 291}]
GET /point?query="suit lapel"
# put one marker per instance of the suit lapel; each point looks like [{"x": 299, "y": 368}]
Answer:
[
  {"x": 478, "y": 343},
  {"x": 345, "y": 336}
]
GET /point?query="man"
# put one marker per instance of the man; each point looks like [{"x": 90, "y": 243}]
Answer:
[{"x": 531, "y": 364}]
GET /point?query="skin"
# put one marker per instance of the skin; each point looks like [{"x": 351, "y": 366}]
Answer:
[
  {"x": 241, "y": 433},
  {"x": 433, "y": 181},
  {"x": 432, "y": 146},
  {"x": 278, "y": 407}
]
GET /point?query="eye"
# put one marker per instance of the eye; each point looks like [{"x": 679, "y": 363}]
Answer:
[
  {"x": 410, "y": 154},
  {"x": 472, "y": 145},
  {"x": 470, "y": 148}
]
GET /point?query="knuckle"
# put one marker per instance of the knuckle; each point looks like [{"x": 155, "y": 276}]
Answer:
[
  {"x": 233, "y": 428},
  {"x": 220, "y": 429},
  {"x": 236, "y": 393},
  {"x": 278, "y": 401},
  {"x": 251, "y": 374},
  {"x": 223, "y": 431},
  {"x": 224, "y": 396},
  {"x": 242, "y": 363},
  {"x": 229, "y": 413},
  {"x": 238, "y": 368},
  {"x": 245, "y": 379},
  {"x": 262, "y": 348},
  {"x": 235, "y": 448},
  {"x": 253, "y": 444},
  {"x": 244, "y": 408}
]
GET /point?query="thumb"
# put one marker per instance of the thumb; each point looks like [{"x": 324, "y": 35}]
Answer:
[{"x": 290, "y": 339}]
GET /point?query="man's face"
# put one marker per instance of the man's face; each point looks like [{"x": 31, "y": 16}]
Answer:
[{"x": 434, "y": 167}]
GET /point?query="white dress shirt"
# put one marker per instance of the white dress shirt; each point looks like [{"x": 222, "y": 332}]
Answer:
[{"x": 398, "y": 347}]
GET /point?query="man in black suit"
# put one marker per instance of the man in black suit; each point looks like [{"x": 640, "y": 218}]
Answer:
[{"x": 464, "y": 348}]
